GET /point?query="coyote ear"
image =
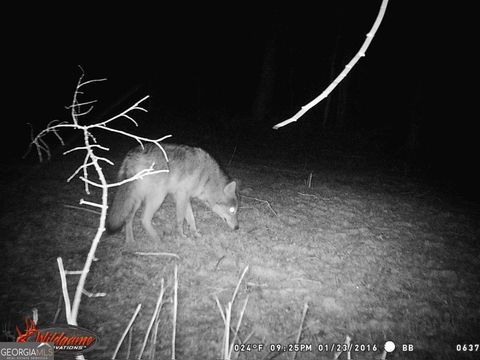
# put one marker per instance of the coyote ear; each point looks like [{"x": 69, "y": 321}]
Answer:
[{"x": 230, "y": 188}]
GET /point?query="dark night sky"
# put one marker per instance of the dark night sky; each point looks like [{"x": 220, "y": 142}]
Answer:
[
  {"x": 219, "y": 54},
  {"x": 224, "y": 50},
  {"x": 195, "y": 60}
]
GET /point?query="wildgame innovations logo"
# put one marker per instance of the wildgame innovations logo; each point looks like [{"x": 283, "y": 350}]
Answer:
[{"x": 64, "y": 338}]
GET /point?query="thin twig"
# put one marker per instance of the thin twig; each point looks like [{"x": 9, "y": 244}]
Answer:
[
  {"x": 227, "y": 348},
  {"x": 384, "y": 355},
  {"x": 281, "y": 341},
  {"x": 85, "y": 202},
  {"x": 129, "y": 344},
  {"x": 140, "y": 175},
  {"x": 347, "y": 343},
  {"x": 303, "y": 194},
  {"x": 174, "y": 320},
  {"x": 154, "y": 339},
  {"x": 235, "y": 334},
  {"x": 81, "y": 208},
  {"x": 220, "y": 308},
  {"x": 66, "y": 297},
  {"x": 59, "y": 309},
  {"x": 260, "y": 200},
  {"x": 93, "y": 295},
  {"x": 233, "y": 154},
  {"x": 238, "y": 283},
  {"x": 226, "y": 335},
  {"x": 309, "y": 180},
  {"x": 305, "y": 308},
  {"x": 244, "y": 341},
  {"x": 156, "y": 254},
  {"x": 218, "y": 262},
  {"x": 127, "y": 329},
  {"x": 35, "y": 315},
  {"x": 154, "y": 316}
]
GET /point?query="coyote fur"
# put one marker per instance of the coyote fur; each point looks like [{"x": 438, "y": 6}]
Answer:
[{"x": 193, "y": 173}]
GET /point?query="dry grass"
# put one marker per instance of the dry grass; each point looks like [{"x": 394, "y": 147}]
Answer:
[{"x": 375, "y": 258}]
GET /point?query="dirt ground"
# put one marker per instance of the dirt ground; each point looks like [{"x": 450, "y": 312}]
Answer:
[{"x": 376, "y": 257}]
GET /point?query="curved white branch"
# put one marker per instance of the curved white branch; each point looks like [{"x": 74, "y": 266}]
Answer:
[{"x": 344, "y": 73}]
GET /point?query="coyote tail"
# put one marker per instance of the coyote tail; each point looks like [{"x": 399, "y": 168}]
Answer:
[{"x": 122, "y": 205}]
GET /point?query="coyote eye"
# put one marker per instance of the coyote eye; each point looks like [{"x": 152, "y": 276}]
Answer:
[{"x": 231, "y": 209}]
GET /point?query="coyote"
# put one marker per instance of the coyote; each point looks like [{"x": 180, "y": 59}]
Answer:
[{"x": 193, "y": 173}]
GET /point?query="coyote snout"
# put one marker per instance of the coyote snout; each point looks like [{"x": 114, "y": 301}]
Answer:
[
  {"x": 193, "y": 173},
  {"x": 228, "y": 212}
]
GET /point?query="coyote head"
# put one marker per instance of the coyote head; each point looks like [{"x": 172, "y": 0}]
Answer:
[{"x": 226, "y": 207}]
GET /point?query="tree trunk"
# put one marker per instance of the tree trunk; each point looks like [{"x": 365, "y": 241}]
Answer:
[{"x": 266, "y": 84}]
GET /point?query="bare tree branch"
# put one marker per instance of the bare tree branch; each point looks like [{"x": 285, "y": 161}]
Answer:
[
  {"x": 91, "y": 162},
  {"x": 339, "y": 78}
]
